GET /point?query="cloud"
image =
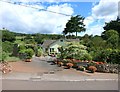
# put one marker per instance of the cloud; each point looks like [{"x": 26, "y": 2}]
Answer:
[
  {"x": 106, "y": 10},
  {"x": 27, "y": 20},
  {"x": 100, "y": 13},
  {"x": 55, "y": 0},
  {"x": 88, "y": 20}
]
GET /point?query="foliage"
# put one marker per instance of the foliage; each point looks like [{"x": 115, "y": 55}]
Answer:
[
  {"x": 29, "y": 41},
  {"x": 4, "y": 56},
  {"x": 39, "y": 38},
  {"x": 12, "y": 59},
  {"x": 22, "y": 47},
  {"x": 113, "y": 25},
  {"x": 81, "y": 68},
  {"x": 29, "y": 53},
  {"x": 39, "y": 52},
  {"x": 75, "y": 24},
  {"x": 111, "y": 37},
  {"x": 7, "y": 35},
  {"x": 15, "y": 50},
  {"x": 75, "y": 51},
  {"x": 108, "y": 55},
  {"x": 92, "y": 63},
  {"x": 28, "y": 36},
  {"x": 7, "y": 47}
]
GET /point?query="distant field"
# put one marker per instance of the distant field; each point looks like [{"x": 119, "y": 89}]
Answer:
[{"x": 18, "y": 40}]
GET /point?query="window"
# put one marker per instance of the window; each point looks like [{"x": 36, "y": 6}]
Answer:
[
  {"x": 61, "y": 40},
  {"x": 51, "y": 49}
]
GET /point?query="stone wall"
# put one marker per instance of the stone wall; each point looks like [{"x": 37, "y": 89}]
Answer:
[{"x": 107, "y": 68}]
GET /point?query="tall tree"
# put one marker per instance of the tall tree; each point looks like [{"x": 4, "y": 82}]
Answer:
[
  {"x": 75, "y": 24},
  {"x": 7, "y": 35},
  {"x": 113, "y": 25},
  {"x": 111, "y": 37}
]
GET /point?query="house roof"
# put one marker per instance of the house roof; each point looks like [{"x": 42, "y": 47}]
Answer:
[
  {"x": 49, "y": 42},
  {"x": 71, "y": 40}
]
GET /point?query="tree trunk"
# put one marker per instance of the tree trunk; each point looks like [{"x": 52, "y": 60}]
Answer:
[{"x": 76, "y": 34}]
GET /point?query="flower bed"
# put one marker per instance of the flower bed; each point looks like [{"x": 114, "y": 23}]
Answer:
[{"x": 92, "y": 66}]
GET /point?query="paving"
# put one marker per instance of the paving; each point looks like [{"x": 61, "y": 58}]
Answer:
[
  {"x": 41, "y": 70},
  {"x": 41, "y": 75}
]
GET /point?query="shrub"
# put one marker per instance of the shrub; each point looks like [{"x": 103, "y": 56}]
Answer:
[
  {"x": 108, "y": 55},
  {"x": 65, "y": 61},
  {"x": 75, "y": 51},
  {"x": 29, "y": 53},
  {"x": 22, "y": 47},
  {"x": 39, "y": 53},
  {"x": 92, "y": 69},
  {"x": 4, "y": 56},
  {"x": 86, "y": 56},
  {"x": 81, "y": 68},
  {"x": 92, "y": 63},
  {"x": 7, "y": 47}
]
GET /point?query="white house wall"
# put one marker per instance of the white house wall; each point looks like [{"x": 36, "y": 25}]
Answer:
[{"x": 56, "y": 45}]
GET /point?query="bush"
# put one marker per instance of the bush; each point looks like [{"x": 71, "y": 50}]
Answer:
[
  {"x": 92, "y": 69},
  {"x": 29, "y": 53},
  {"x": 39, "y": 52},
  {"x": 92, "y": 63},
  {"x": 4, "y": 56},
  {"x": 108, "y": 55},
  {"x": 22, "y": 47},
  {"x": 75, "y": 51},
  {"x": 7, "y": 47},
  {"x": 86, "y": 56},
  {"x": 65, "y": 61}
]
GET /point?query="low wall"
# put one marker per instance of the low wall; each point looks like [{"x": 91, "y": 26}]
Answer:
[{"x": 107, "y": 68}]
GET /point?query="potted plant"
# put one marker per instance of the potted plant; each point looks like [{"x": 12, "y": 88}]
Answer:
[
  {"x": 60, "y": 64},
  {"x": 92, "y": 69},
  {"x": 69, "y": 65}
]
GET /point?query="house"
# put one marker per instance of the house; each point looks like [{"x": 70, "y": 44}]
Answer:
[{"x": 51, "y": 46}]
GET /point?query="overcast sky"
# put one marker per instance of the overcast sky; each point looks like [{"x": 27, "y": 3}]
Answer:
[{"x": 28, "y": 20}]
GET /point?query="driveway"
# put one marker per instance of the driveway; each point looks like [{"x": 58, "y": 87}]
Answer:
[{"x": 40, "y": 75}]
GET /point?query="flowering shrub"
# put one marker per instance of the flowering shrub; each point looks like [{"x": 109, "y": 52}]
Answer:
[
  {"x": 91, "y": 63},
  {"x": 92, "y": 69}
]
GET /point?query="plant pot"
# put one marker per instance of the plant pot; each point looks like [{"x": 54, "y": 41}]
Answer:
[
  {"x": 69, "y": 65},
  {"x": 92, "y": 69},
  {"x": 28, "y": 60}
]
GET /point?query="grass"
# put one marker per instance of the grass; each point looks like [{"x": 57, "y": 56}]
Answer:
[
  {"x": 19, "y": 42},
  {"x": 12, "y": 59}
]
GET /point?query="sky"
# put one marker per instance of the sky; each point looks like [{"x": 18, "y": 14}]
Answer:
[{"x": 23, "y": 19}]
